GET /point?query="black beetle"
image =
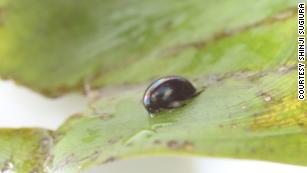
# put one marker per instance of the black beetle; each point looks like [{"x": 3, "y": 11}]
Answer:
[{"x": 167, "y": 93}]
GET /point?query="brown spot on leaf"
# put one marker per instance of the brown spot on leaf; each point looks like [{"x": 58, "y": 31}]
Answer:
[
  {"x": 187, "y": 145},
  {"x": 284, "y": 15},
  {"x": 113, "y": 140},
  {"x": 211, "y": 80},
  {"x": 256, "y": 76},
  {"x": 173, "y": 144},
  {"x": 265, "y": 96},
  {"x": 70, "y": 158},
  {"x": 91, "y": 157},
  {"x": 110, "y": 159},
  {"x": 95, "y": 155},
  {"x": 105, "y": 116},
  {"x": 157, "y": 142},
  {"x": 253, "y": 150},
  {"x": 102, "y": 115},
  {"x": 287, "y": 69},
  {"x": 2, "y": 16}
]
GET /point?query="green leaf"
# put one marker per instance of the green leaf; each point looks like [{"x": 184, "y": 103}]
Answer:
[
  {"x": 233, "y": 117},
  {"x": 53, "y": 46},
  {"x": 245, "y": 58},
  {"x": 24, "y": 150},
  {"x": 251, "y": 115}
]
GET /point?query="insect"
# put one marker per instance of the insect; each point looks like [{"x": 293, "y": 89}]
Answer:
[{"x": 168, "y": 93}]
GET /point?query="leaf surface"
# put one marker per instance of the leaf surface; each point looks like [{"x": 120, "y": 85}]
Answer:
[
  {"x": 56, "y": 46},
  {"x": 244, "y": 58}
]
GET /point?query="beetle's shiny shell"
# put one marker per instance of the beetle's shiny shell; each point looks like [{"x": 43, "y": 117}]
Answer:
[{"x": 167, "y": 93}]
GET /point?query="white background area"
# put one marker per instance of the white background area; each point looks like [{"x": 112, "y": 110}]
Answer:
[{"x": 20, "y": 107}]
